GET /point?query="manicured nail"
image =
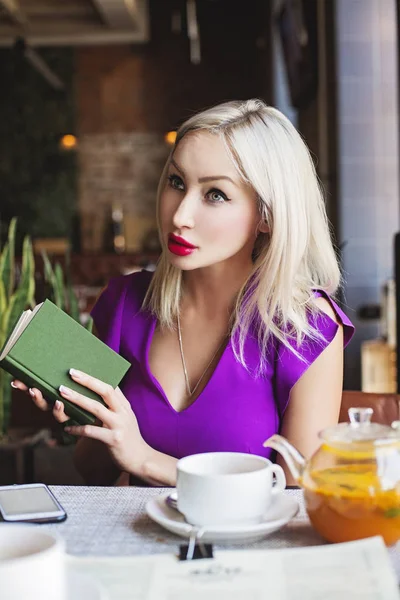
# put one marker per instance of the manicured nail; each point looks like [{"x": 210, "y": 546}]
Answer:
[
  {"x": 14, "y": 386},
  {"x": 58, "y": 405},
  {"x": 74, "y": 373},
  {"x": 67, "y": 429},
  {"x": 32, "y": 393},
  {"x": 64, "y": 390}
]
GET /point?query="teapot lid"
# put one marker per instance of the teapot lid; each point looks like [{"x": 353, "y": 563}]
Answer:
[{"x": 360, "y": 429}]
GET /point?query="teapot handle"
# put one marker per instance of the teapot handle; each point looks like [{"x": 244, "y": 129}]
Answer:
[{"x": 280, "y": 480}]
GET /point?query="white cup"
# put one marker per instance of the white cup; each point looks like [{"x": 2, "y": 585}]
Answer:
[
  {"x": 32, "y": 564},
  {"x": 226, "y": 488}
]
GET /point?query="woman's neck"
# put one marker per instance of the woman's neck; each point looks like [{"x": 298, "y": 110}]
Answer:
[{"x": 211, "y": 291}]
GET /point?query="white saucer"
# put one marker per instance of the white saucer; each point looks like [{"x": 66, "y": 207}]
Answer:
[
  {"x": 83, "y": 587},
  {"x": 281, "y": 511}
]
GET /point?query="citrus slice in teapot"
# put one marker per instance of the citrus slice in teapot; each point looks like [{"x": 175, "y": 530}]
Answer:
[{"x": 352, "y": 482}]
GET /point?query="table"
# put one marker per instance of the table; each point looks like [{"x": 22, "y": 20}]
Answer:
[{"x": 112, "y": 521}]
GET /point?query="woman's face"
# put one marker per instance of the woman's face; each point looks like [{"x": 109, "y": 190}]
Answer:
[{"x": 208, "y": 215}]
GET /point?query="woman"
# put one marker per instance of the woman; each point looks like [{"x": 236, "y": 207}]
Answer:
[{"x": 235, "y": 336}]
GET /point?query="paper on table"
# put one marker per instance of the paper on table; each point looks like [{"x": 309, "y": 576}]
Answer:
[
  {"x": 124, "y": 578},
  {"x": 353, "y": 570}
]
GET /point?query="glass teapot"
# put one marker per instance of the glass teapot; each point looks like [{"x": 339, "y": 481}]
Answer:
[{"x": 352, "y": 482}]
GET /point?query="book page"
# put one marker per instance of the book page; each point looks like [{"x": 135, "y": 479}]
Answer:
[
  {"x": 354, "y": 570},
  {"x": 22, "y": 323}
]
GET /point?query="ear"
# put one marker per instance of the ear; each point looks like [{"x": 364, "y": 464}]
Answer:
[{"x": 263, "y": 227}]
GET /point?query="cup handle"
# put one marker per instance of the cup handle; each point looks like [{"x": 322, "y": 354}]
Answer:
[{"x": 280, "y": 480}]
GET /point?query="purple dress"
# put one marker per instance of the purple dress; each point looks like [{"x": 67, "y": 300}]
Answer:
[{"x": 236, "y": 411}]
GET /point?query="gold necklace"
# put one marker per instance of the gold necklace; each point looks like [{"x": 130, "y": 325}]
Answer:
[{"x": 190, "y": 391}]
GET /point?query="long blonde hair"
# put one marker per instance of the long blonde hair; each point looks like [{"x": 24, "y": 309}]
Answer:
[{"x": 295, "y": 258}]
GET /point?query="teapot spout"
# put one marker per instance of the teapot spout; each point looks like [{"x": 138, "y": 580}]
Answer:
[{"x": 294, "y": 460}]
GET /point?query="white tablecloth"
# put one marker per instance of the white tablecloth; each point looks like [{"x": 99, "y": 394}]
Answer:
[{"x": 112, "y": 521}]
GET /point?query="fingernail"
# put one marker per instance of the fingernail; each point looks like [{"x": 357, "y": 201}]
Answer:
[
  {"x": 64, "y": 390},
  {"x": 74, "y": 373},
  {"x": 67, "y": 429},
  {"x": 14, "y": 386},
  {"x": 58, "y": 405},
  {"x": 32, "y": 393}
]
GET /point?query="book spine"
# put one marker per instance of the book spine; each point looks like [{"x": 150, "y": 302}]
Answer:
[{"x": 78, "y": 414}]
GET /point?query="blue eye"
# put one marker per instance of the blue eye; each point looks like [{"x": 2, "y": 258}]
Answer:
[
  {"x": 176, "y": 182},
  {"x": 215, "y": 196}
]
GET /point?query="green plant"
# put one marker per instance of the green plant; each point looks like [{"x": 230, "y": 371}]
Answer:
[
  {"x": 63, "y": 295},
  {"x": 16, "y": 294},
  {"x": 62, "y": 291}
]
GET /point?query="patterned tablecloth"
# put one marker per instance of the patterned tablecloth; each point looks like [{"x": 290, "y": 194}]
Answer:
[{"x": 111, "y": 521}]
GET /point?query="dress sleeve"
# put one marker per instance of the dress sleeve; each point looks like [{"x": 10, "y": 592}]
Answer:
[
  {"x": 107, "y": 313},
  {"x": 289, "y": 368}
]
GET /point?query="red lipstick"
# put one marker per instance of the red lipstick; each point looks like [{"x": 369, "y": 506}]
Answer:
[{"x": 179, "y": 246}]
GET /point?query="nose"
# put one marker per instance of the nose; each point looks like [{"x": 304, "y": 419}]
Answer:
[{"x": 184, "y": 214}]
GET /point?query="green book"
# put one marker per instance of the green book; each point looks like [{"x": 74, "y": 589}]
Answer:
[{"x": 46, "y": 343}]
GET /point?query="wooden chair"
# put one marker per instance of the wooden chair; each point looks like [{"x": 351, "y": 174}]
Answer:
[{"x": 386, "y": 406}]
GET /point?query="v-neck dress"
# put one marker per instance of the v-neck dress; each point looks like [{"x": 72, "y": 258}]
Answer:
[{"x": 236, "y": 411}]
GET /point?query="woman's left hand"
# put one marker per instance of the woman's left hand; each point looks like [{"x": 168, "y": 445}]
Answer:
[{"x": 120, "y": 430}]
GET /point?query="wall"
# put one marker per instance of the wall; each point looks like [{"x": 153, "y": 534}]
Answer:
[
  {"x": 119, "y": 170},
  {"x": 128, "y": 97},
  {"x": 120, "y": 100},
  {"x": 37, "y": 179},
  {"x": 153, "y": 87},
  {"x": 368, "y": 156}
]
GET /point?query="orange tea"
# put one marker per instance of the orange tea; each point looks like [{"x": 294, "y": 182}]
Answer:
[{"x": 348, "y": 502}]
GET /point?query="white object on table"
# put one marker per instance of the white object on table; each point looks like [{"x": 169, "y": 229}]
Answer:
[
  {"x": 32, "y": 563},
  {"x": 224, "y": 488},
  {"x": 80, "y": 585},
  {"x": 282, "y": 510},
  {"x": 112, "y": 521},
  {"x": 353, "y": 570}
]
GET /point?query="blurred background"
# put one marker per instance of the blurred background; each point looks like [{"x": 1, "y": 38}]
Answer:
[{"x": 92, "y": 91}]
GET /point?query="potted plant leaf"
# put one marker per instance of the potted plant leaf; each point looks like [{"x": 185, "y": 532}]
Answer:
[
  {"x": 62, "y": 293},
  {"x": 17, "y": 293},
  {"x": 61, "y": 290}
]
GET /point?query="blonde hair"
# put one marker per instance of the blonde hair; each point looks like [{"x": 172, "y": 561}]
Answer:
[{"x": 295, "y": 258}]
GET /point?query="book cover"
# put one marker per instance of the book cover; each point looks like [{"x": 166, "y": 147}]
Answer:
[{"x": 51, "y": 345}]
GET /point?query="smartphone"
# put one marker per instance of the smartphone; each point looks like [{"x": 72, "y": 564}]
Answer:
[{"x": 31, "y": 503}]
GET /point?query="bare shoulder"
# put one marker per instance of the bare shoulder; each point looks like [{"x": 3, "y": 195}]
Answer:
[{"x": 326, "y": 307}]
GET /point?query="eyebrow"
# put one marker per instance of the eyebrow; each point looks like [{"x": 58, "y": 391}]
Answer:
[{"x": 204, "y": 179}]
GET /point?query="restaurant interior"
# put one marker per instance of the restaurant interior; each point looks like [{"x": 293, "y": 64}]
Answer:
[{"x": 92, "y": 92}]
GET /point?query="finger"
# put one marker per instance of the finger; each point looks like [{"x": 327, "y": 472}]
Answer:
[
  {"x": 18, "y": 385},
  {"x": 107, "y": 436},
  {"x": 104, "y": 390},
  {"x": 93, "y": 406},
  {"x": 38, "y": 399},
  {"x": 121, "y": 396},
  {"x": 58, "y": 412}
]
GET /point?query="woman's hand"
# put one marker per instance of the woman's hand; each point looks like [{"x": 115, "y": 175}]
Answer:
[
  {"x": 37, "y": 397},
  {"x": 120, "y": 433},
  {"x": 120, "y": 430}
]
